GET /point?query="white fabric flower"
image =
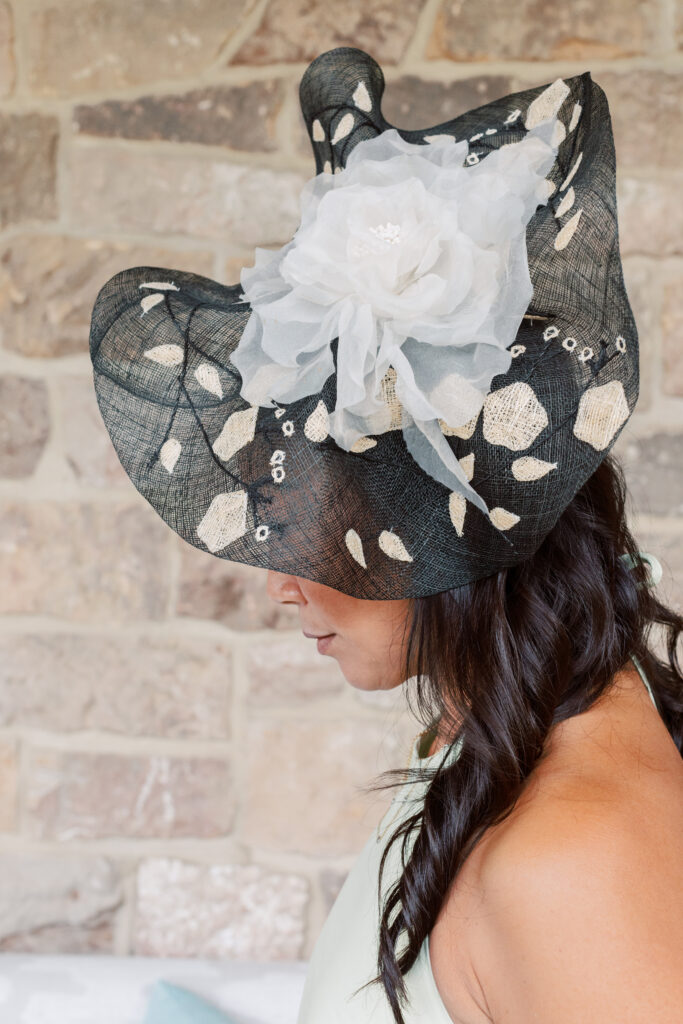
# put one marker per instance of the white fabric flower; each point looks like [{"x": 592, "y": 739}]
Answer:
[{"x": 415, "y": 261}]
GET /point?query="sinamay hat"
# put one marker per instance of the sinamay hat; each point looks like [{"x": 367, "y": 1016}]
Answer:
[{"x": 406, "y": 396}]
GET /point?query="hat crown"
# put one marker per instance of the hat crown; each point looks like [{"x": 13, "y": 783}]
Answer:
[{"x": 340, "y": 95}]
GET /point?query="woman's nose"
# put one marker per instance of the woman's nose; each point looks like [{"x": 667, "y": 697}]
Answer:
[{"x": 281, "y": 586}]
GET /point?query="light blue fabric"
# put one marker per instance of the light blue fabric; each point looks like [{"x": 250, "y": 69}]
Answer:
[
  {"x": 655, "y": 567},
  {"x": 170, "y": 1004}
]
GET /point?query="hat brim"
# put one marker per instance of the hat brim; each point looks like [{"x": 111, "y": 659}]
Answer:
[{"x": 268, "y": 487}]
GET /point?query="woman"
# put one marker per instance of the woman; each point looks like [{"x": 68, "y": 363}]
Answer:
[
  {"x": 542, "y": 886},
  {"x": 406, "y": 418}
]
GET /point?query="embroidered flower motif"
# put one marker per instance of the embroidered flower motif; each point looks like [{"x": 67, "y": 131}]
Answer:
[{"x": 414, "y": 261}]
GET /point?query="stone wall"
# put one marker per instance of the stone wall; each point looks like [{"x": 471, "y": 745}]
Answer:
[{"x": 180, "y": 771}]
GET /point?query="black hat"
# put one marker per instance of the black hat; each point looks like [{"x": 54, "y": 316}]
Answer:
[{"x": 406, "y": 396}]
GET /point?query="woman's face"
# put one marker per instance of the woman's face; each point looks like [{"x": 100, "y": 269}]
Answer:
[{"x": 368, "y": 641}]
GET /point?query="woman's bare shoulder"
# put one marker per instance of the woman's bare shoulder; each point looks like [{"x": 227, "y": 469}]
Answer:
[{"x": 581, "y": 902}]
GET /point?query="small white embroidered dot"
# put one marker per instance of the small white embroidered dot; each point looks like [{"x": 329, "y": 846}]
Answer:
[
  {"x": 362, "y": 444},
  {"x": 361, "y": 97},
  {"x": 150, "y": 301},
  {"x": 343, "y": 128},
  {"x": 569, "y": 344},
  {"x": 392, "y": 545},
  {"x": 586, "y": 353},
  {"x": 512, "y": 117},
  {"x": 168, "y": 355},
  {"x": 327, "y": 167},
  {"x": 566, "y": 202},
  {"x": 237, "y": 431},
  {"x": 318, "y": 131},
  {"x": 278, "y": 413},
  {"x": 170, "y": 450},
  {"x": 207, "y": 376},
  {"x": 546, "y": 104},
  {"x": 473, "y": 138},
  {"x": 529, "y": 468},
  {"x": 576, "y": 114},
  {"x": 471, "y": 158},
  {"x": 278, "y": 457},
  {"x": 565, "y": 235},
  {"x": 262, "y": 532},
  {"x": 517, "y": 350},
  {"x": 317, "y": 426},
  {"x": 160, "y": 286},
  {"x": 621, "y": 343},
  {"x": 224, "y": 521},
  {"x": 355, "y": 546},
  {"x": 551, "y": 332},
  {"x": 288, "y": 428},
  {"x": 502, "y": 519},
  {"x": 491, "y": 131},
  {"x": 337, "y": 170},
  {"x": 278, "y": 474},
  {"x": 457, "y": 506},
  {"x": 573, "y": 171}
]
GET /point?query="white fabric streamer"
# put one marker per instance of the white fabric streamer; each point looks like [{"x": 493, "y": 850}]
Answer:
[{"x": 413, "y": 261}]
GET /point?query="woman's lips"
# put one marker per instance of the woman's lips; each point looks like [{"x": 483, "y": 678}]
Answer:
[{"x": 324, "y": 642}]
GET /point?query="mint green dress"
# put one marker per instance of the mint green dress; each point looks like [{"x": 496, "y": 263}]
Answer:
[{"x": 345, "y": 954}]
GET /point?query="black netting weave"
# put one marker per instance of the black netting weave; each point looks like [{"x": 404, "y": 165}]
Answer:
[{"x": 371, "y": 523}]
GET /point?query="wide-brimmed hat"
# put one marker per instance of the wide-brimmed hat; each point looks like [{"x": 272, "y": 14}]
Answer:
[{"x": 404, "y": 397}]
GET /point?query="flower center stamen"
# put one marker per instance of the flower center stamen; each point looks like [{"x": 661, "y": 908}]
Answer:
[{"x": 388, "y": 232}]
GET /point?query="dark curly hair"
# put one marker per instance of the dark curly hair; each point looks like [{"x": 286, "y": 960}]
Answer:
[{"x": 499, "y": 662}]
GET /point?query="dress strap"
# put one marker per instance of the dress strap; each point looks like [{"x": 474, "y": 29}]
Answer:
[{"x": 642, "y": 676}]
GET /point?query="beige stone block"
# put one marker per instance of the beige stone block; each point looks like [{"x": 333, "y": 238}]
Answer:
[
  {"x": 294, "y": 30},
  {"x": 7, "y": 65},
  {"x": 305, "y": 782},
  {"x": 646, "y": 117},
  {"x": 24, "y": 425},
  {"x": 240, "y": 117},
  {"x": 135, "y": 685},
  {"x": 413, "y": 103},
  {"x": 222, "y": 911},
  {"x": 58, "y": 903},
  {"x": 49, "y": 283},
  {"x": 232, "y": 593},
  {"x": 83, "y": 795},
  {"x": 653, "y": 472},
  {"x": 667, "y": 547},
  {"x": 541, "y": 30},
  {"x": 9, "y": 773},
  {"x": 288, "y": 670},
  {"x": 650, "y": 215},
  {"x": 134, "y": 190},
  {"x": 89, "y": 45},
  {"x": 28, "y": 156},
  {"x": 80, "y": 562},
  {"x": 672, "y": 331}
]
